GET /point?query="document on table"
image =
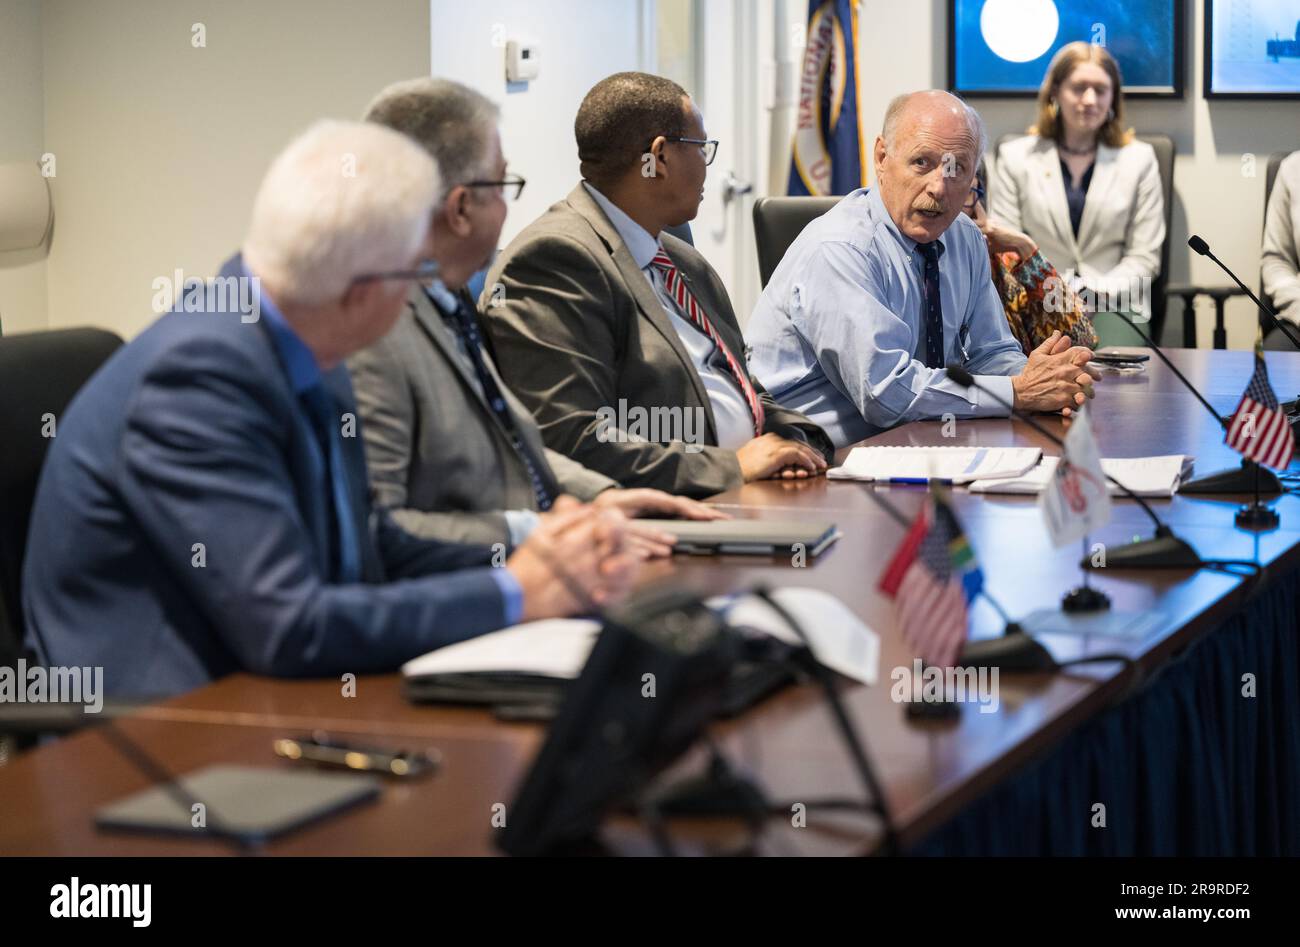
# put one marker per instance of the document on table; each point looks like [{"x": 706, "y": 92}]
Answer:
[
  {"x": 951, "y": 464},
  {"x": 1145, "y": 476},
  {"x": 558, "y": 648}
]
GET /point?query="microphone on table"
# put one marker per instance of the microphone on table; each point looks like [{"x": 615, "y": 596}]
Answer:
[
  {"x": 1203, "y": 248},
  {"x": 1237, "y": 480},
  {"x": 63, "y": 717},
  {"x": 1243, "y": 481},
  {"x": 1164, "y": 551}
]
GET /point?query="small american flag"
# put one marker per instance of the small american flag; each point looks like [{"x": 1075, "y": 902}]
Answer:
[
  {"x": 932, "y": 578},
  {"x": 1260, "y": 429}
]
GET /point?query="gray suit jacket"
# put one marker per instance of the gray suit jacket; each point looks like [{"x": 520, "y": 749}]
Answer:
[
  {"x": 578, "y": 329},
  {"x": 438, "y": 457}
]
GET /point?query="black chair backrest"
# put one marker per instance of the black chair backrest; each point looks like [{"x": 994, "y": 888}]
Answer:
[
  {"x": 1270, "y": 178},
  {"x": 682, "y": 232},
  {"x": 1165, "y": 151},
  {"x": 39, "y": 374},
  {"x": 777, "y": 221}
]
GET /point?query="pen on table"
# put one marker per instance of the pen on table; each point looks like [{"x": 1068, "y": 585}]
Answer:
[{"x": 922, "y": 481}]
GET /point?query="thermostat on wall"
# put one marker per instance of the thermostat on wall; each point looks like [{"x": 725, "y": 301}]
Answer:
[{"x": 521, "y": 61}]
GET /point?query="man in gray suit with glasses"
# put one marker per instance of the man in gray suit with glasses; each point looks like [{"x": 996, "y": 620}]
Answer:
[{"x": 451, "y": 451}]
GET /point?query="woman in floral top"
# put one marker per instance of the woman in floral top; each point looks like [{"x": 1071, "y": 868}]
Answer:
[{"x": 1036, "y": 299}]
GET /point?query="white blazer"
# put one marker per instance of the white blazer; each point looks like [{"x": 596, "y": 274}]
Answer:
[{"x": 1123, "y": 223}]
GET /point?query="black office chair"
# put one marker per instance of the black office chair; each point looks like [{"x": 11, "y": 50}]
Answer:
[
  {"x": 1165, "y": 151},
  {"x": 1221, "y": 294},
  {"x": 682, "y": 232},
  {"x": 41, "y": 372},
  {"x": 777, "y": 221}
]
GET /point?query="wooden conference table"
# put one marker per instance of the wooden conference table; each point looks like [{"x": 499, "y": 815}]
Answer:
[{"x": 930, "y": 770}]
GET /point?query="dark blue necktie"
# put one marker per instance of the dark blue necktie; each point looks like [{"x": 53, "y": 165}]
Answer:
[
  {"x": 462, "y": 322},
  {"x": 345, "y": 554},
  {"x": 932, "y": 305}
]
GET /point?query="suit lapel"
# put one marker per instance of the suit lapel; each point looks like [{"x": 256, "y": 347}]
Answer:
[
  {"x": 1103, "y": 179},
  {"x": 637, "y": 284},
  {"x": 430, "y": 322},
  {"x": 711, "y": 307}
]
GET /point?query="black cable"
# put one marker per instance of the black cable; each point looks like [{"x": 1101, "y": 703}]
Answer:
[
  {"x": 1131, "y": 668},
  {"x": 843, "y": 722},
  {"x": 140, "y": 758}
]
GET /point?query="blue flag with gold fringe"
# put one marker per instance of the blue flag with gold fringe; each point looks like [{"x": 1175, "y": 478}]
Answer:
[{"x": 828, "y": 155}]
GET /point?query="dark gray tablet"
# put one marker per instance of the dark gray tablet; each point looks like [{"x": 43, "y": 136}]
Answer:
[{"x": 256, "y": 803}]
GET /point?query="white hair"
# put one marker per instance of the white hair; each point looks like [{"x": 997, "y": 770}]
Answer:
[
  {"x": 343, "y": 199},
  {"x": 898, "y": 105}
]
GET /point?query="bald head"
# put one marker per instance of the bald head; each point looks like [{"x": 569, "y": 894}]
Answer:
[
  {"x": 932, "y": 105},
  {"x": 925, "y": 158}
]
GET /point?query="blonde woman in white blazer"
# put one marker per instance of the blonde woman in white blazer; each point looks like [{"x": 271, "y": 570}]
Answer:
[{"x": 1081, "y": 186}]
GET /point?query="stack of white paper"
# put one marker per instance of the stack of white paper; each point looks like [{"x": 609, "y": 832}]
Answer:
[
  {"x": 1145, "y": 476},
  {"x": 558, "y": 648},
  {"x": 951, "y": 464}
]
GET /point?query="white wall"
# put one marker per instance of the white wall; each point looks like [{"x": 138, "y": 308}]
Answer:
[
  {"x": 903, "y": 47},
  {"x": 160, "y": 145},
  {"x": 22, "y": 135},
  {"x": 581, "y": 42}
]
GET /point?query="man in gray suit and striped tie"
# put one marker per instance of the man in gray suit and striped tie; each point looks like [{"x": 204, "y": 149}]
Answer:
[
  {"x": 450, "y": 449},
  {"x": 620, "y": 337}
]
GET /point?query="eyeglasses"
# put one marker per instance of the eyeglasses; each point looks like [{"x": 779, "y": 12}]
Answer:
[
  {"x": 426, "y": 272},
  {"x": 511, "y": 187},
  {"x": 976, "y": 194},
  {"x": 710, "y": 147}
]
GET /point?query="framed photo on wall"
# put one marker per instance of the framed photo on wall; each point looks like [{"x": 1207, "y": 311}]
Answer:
[
  {"x": 1003, "y": 47},
  {"x": 1252, "y": 49}
]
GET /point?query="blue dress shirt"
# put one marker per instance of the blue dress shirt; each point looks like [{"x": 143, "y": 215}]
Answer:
[{"x": 839, "y": 333}]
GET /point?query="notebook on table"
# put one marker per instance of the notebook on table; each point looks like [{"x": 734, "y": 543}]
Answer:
[
  {"x": 1145, "y": 476},
  {"x": 947, "y": 464},
  {"x": 532, "y": 663}
]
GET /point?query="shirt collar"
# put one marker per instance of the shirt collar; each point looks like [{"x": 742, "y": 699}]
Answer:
[
  {"x": 298, "y": 361},
  {"x": 442, "y": 297},
  {"x": 880, "y": 212},
  {"x": 640, "y": 242}
]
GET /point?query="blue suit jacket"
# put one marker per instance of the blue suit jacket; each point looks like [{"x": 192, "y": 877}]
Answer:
[{"x": 191, "y": 434}]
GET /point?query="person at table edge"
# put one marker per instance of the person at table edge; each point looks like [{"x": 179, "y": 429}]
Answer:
[{"x": 875, "y": 297}]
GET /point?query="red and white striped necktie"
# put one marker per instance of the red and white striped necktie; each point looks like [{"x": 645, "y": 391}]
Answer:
[{"x": 686, "y": 302}]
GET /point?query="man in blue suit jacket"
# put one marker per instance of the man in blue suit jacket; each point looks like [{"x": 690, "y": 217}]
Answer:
[{"x": 203, "y": 507}]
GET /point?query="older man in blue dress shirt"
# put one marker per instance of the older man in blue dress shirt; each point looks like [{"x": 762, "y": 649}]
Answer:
[{"x": 875, "y": 297}]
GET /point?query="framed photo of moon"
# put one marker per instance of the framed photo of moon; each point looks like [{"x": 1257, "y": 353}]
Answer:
[{"x": 1003, "y": 47}]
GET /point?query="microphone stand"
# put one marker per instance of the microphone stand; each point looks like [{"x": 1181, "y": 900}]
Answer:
[
  {"x": 1243, "y": 479},
  {"x": 63, "y": 717},
  {"x": 1256, "y": 516},
  {"x": 1203, "y": 248},
  {"x": 1164, "y": 551}
]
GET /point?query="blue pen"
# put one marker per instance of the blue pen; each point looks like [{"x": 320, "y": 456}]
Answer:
[{"x": 921, "y": 481}]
